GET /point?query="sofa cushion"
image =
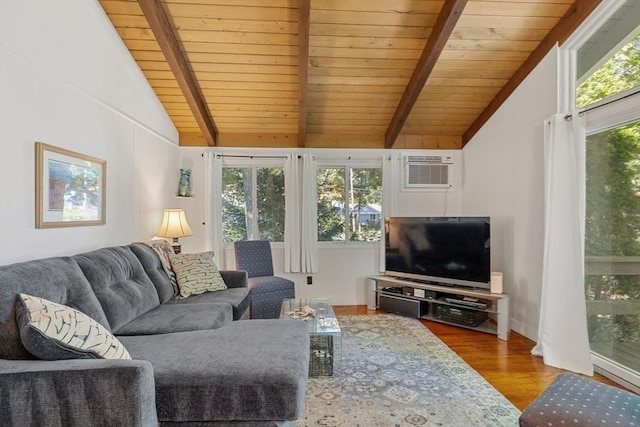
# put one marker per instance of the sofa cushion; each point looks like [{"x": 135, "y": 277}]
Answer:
[
  {"x": 156, "y": 271},
  {"x": 237, "y": 298},
  {"x": 56, "y": 279},
  {"x": 53, "y": 331},
  {"x": 120, "y": 283},
  {"x": 248, "y": 370},
  {"x": 168, "y": 318},
  {"x": 196, "y": 273},
  {"x": 268, "y": 284}
]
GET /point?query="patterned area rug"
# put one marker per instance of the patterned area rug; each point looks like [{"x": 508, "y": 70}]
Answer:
[{"x": 395, "y": 372}]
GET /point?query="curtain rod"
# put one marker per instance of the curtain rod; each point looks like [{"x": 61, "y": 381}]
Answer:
[
  {"x": 248, "y": 157},
  {"x": 251, "y": 157},
  {"x": 611, "y": 101}
]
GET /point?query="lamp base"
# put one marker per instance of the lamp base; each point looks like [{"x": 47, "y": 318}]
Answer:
[{"x": 177, "y": 247}]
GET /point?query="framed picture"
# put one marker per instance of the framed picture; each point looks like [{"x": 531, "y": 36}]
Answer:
[{"x": 70, "y": 188}]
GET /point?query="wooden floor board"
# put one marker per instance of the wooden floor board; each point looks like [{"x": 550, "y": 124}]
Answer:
[{"x": 507, "y": 365}]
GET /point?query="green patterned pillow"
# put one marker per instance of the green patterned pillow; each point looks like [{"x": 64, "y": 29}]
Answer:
[
  {"x": 52, "y": 331},
  {"x": 196, "y": 273}
]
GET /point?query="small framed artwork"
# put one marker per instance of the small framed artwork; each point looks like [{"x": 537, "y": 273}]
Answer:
[{"x": 70, "y": 188}]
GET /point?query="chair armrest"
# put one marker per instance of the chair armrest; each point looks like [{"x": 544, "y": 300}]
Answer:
[
  {"x": 77, "y": 393},
  {"x": 235, "y": 278}
]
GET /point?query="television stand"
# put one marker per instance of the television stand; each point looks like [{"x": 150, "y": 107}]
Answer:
[{"x": 481, "y": 310}]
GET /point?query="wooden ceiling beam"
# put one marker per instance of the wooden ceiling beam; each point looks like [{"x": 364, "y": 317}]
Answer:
[
  {"x": 164, "y": 34},
  {"x": 304, "y": 12},
  {"x": 569, "y": 22},
  {"x": 446, "y": 22}
]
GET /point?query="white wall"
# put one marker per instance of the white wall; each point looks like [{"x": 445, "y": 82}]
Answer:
[
  {"x": 67, "y": 79},
  {"x": 343, "y": 268},
  {"x": 503, "y": 177}
]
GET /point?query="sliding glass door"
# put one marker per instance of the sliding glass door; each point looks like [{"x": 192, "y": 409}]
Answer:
[
  {"x": 612, "y": 245},
  {"x": 607, "y": 85}
]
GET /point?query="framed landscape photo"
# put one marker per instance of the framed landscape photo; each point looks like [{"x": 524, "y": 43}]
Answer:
[{"x": 70, "y": 188}]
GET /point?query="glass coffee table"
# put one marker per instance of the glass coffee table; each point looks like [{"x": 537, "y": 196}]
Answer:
[{"x": 324, "y": 332}]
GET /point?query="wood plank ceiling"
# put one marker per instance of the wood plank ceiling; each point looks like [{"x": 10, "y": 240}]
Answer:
[{"x": 338, "y": 73}]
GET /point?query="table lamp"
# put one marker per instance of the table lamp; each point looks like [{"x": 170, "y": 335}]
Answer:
[{"x": 174, "y": 225}]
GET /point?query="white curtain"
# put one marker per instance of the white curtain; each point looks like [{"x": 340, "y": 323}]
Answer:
[
  {"x": 562, "y": 330},
  {"x": 309, "y": 215},
  {"x": 390, "y": 188},
  {"x": 213, "y": 240},
  {"x": 293, "y": 207}
]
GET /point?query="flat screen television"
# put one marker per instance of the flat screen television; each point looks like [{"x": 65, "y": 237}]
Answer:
[{"x": 453, "y": 251}]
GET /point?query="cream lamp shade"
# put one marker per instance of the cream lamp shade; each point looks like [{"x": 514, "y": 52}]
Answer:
[{"x": 174, "y": 225}]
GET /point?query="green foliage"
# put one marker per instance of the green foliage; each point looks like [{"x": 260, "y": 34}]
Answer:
[
  {"x": 238, "y": 204},
  {"x": 343, "y": 195},
  {"x": 619, "y": 73},
  {"x": 613, "y": 197},
  {"x": 233, "y": 205},
  {"x": 271, "y": 204}
]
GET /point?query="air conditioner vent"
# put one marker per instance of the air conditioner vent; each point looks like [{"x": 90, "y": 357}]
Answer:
[{"x": 427, "y": 172}]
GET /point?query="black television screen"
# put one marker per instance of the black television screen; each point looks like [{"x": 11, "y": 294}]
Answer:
[{"x": 447, "y": 250}]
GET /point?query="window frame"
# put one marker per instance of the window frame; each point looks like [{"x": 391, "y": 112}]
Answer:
[
  {"x": 609, "y": 113},
  {"x": 568, "y": 56}
]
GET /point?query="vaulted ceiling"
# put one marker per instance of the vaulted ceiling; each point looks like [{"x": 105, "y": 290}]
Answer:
[{"x": 338, "y": 73}]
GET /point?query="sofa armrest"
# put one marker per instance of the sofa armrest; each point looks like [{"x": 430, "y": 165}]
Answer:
[
  {"x": 235, "y": 278},
  {"x": 77, "y": 393}
]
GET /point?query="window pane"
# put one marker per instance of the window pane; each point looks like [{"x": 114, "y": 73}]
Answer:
[
  {"x": 609, "y": 62},
  {"x": 235, "y": 204},
  {"x": 331, "y": 202},
  {"x": 349, "y": 204},
  {"x": 270, "y": 186},
  {"x": 365, "y": 202},
  {"x": 612, "y": 244},
  {"x": 239, "y": 204}
]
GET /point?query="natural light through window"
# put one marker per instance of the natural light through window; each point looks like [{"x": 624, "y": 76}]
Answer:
[
  {"x": 609, "y": 62},
  {"x": 253, "y": 203},
  {"x": 349, "y": 204},
  {"x": 612, "y": 244}
]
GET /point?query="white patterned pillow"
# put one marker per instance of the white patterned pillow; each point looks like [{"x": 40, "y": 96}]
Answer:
[
  {"x": 52, "y": 331},
  {"x": 196, "y": 273}
]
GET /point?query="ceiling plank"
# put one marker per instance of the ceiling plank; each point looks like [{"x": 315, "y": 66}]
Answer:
[
  {"x": 163, "y": 31},
  {"x": 574, "y": 16},
  {"x": 304, "y": 12},
  {"x": 444, "y": 26}
]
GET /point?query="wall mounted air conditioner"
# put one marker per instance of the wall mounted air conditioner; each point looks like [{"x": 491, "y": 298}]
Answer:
[{"x": 423, "y": 172}]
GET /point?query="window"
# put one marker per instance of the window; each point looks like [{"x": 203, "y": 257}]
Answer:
[
  {"x": 612, "y": 244},
  {"x": 253, "y": 203},
  {"x": 609, "y": 62},
  {"x": 349, "y": 204},
  {"x": 607, "y": 81}
]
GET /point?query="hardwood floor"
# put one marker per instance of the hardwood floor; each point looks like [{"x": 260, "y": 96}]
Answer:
[{"x": 507, "y": 365}]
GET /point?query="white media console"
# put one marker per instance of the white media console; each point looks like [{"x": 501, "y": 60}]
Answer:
[{"x": 429, "y": 301}]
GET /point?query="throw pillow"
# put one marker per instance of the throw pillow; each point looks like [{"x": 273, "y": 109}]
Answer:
[
  {"x": 196, "y": 273},
  {"x": 164, "y": 250},
  {"x": 52, "y": 331}
]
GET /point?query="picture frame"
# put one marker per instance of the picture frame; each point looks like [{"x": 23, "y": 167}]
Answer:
[{"x": 70, "y": 188}]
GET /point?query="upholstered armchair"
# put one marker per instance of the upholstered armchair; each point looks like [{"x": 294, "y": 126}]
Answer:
[
  {"x": 267, "y": 291},
  {"x": 575, "y": 400}
]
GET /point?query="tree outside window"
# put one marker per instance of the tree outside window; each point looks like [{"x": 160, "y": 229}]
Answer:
[
  {"x": 349, "y": 204},
  {"x": 253, "y": 203},
  {"x": 612, "y": 232}
]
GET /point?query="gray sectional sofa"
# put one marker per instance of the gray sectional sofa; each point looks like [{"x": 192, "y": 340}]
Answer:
[{"x": 194, "y": 361}]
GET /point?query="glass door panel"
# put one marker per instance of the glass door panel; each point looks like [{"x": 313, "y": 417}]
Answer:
[{"x": 612, "y": 245}]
